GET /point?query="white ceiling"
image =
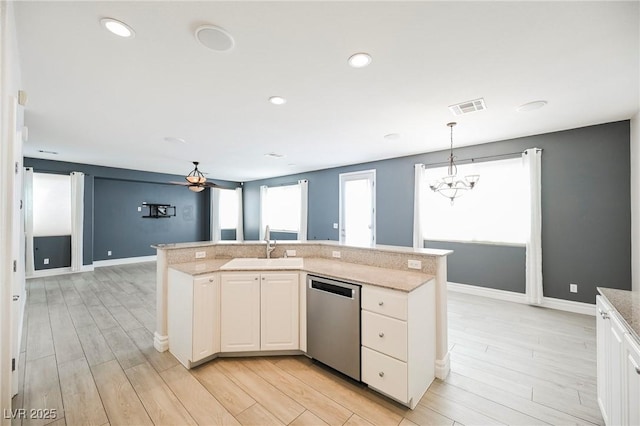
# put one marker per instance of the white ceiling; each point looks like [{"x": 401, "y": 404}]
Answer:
[{"x": 99, "y": 99}]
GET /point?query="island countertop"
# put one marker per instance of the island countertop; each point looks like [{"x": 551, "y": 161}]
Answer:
[
  {"x": 627, "y": 304},
  {"x": 360, "y": 274}
]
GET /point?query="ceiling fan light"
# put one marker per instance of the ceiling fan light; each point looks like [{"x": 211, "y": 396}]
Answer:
[{"x": 196, "y": 188}]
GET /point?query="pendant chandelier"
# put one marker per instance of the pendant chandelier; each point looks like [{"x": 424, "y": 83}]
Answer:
[{"x": 451, "y": 186}]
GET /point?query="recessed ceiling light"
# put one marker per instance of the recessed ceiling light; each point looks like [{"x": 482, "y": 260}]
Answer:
[
  {"x": 277, "y": 100},
  {"x": 214, "y": 38},
  {"x": 274, "y": 155},
  {"x": 117, "y": 27},
  {"x": 359, "y": 60},
  {"x": 173, "y": 139},
  {"x": 392, "y": 136},
  {"x": 530, "y": 106}
]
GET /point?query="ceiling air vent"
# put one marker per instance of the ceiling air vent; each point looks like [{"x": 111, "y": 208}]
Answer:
[{"x": 468, "y": 106}]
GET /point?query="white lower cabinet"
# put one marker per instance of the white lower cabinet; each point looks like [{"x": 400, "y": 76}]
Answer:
[
  {"x": 618, "y": 368},
  {"x": 259, "y": 311},
  {"x": 192, "y": 315},
  {"x": 239, "y": 312},
  {"x": 279, "y": 312},
  {"x": 398, "y": 341},
  {"x": 632, "y": 382}
]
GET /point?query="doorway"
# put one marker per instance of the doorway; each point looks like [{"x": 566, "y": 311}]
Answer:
[{"x": 358, "y": 208}]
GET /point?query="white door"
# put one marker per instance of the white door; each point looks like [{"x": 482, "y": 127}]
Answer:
[
  {"x": 358, "y": 208},
  {"x": 17, "y": 239},
  {"x": 279, "y": 318},
  {"x": 239, "y": 312}
]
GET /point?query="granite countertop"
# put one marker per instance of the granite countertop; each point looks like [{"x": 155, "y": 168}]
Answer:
[
  {"x": 360, "y": 274},
  {"x": 627, "y": 304},
  {"x": 378, "y": 247}
]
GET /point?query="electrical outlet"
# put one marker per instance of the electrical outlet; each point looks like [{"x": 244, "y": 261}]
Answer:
[
  {"x": 335, "y": 254},
  {"x": 573, "y": 288},
  {"x": 109, "y": 253},
  {"x": 335, "y": 226},
  {"x": 201, "y": 254},
  {"x": 414, "y": 264},
  {"x": 46, "y": 260},
  {"x": 291, "y": 253},
  {"x": 139, "y": 208}
]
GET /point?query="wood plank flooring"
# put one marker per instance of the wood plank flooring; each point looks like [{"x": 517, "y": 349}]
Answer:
[{"x": 88, "y": 353}]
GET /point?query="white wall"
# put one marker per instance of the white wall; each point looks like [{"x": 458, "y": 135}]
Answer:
[
  {"x": 10, "y": 185},
  {"x": 635, "y": 202}
]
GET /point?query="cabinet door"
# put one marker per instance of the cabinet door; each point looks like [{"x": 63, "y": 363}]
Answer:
[
  {"x": 239, "y": 312},
  {"x": 279, "y": 311},
  {"x": 616, "y": 363},
  {"x": 206, "y": 340},
  {"x": 602, "y": 356},
  {"x": 632, "y": 369}
]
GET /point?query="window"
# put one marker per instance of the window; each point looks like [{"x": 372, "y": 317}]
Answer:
[
  {"x": 51, "y": 205},
  {"x": 496, "y": 210},
  {"x": 280, "y": 207},
  {"x": 228, "y": 209}
]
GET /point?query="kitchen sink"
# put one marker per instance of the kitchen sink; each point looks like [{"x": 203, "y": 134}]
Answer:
[{"x": 262, "y": 264}]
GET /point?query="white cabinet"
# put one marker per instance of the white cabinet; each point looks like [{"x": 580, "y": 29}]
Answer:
[
  {"x": 398, "y": 341},
  {"x": 279, "y": 311},
  {"x": 259, "y": 311},
  {"x": 240, "y": 312},
  {"x": 192, "y": 314},
  {"x": 618, "y": 368},
  {"x": 632, "y": 382}
]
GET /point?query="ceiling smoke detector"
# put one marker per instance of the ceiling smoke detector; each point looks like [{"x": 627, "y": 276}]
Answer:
[{"x": 468, "y": 106}]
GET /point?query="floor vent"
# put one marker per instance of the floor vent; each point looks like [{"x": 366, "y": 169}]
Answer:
[{"x": 467, "y": 107}]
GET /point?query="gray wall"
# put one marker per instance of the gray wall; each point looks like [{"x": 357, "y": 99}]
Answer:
[
  {"x": 57, "y": 249},
  {"x": 120, "y": 228},
  {"x": 586, "y": 219},
  {"x": 115, "y": 189}
]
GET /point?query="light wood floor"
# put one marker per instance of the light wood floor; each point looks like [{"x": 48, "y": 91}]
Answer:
[{"x": 88, "y": 353}]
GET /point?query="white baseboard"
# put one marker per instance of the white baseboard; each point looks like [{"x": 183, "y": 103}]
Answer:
[
  {"x": 510, "y": 296},
  {"x": 58, "y": 271},
  {"x": 124, "y": 261}
]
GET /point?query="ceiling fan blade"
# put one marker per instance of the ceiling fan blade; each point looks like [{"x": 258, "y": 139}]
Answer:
[{"x": 181, "y": 183}]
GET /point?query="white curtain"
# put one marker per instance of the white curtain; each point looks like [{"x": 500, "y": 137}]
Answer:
[
  {"x": 240, "y": 227},
  {"x": 263, "y": 210},
  {"x": 216, "y": 233},
  {"x": 419, "y": 187},
  {"x": 28, "y": 221},
  {"x": 304, "y": 206},
  {"x": 77, "y": 219},
  {"x": 533, "y": 166}
]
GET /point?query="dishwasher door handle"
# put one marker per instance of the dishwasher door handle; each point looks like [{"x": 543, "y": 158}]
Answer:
[{"x": 332, "y": 288}]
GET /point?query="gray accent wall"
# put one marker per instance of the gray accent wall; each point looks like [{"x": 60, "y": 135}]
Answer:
[
  {"x": 56, "y": 248},
  {"x": 586, "y": 208},
  {"x": 485, "y": 265},
  {"x": 111, "y": 219}
]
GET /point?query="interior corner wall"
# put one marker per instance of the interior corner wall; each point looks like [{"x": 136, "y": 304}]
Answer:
[
  {"x": 635, "y": 200},
  {"x": 111, "y": 218},
  {"x": 586, "y": 208}
]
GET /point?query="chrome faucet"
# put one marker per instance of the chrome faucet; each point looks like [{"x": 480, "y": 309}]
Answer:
[{"x": 267, "y": 238}]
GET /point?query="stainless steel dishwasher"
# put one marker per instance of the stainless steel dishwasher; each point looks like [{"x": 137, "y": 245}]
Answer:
[{"x": 333, "y": 324}]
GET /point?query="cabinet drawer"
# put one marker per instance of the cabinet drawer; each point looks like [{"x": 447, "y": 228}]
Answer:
[
  {"x": 385, "y": 301},
  {"x": 385, "y": 374},
  {"x": 385, "y": 334}
]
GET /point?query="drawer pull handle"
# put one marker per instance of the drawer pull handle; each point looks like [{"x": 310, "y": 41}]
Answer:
[
  {"x": 210, "y": 280},
  {"x": 381, "y": 334},
  {"x": 381, "y": 374},
  {"x": 380, "y": 303}
]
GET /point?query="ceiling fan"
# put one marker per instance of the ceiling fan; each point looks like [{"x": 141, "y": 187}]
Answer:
[{"x": 196, "y": 181}]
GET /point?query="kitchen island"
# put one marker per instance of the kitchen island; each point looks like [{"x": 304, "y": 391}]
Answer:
[{"x": 415, "y": 301}]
